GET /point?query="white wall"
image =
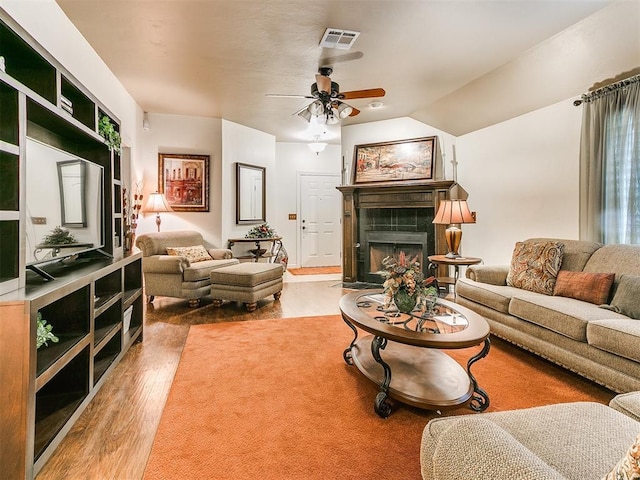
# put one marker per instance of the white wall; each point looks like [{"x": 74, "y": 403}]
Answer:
[
  {"x": 293, "y": 159},
  {"x": 242, "y": 144},
  {"x": 522, "y": 177},
  {"x": 395, "y": 129},
  {"x": 184, "y": 135}
]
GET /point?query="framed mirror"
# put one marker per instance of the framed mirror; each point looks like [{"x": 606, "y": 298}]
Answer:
[
  {"x": 250, "y": 194},
  {"x": 72, "y": 181}
]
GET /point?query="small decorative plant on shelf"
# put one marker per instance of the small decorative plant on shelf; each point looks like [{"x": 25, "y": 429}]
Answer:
[
  {"x": 107, "y": 130},
  {"x": 261, "y": 231},
  {"x": 405, "y": 285},
  {"x": 44, "y": 332},
  {"x": 58, "y": 236}
]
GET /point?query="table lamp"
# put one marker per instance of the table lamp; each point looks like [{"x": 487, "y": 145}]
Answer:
[
  {"x": 156, "y": 204},
  {"x": 453, "y": 212}
]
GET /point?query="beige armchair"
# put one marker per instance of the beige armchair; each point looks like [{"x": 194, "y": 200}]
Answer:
[{"x": 175, "y": 275}]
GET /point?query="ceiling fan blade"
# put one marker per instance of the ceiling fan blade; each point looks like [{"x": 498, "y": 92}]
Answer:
[
  {"x": 277, "y": 95},
  {"x": 372, "y": 92},
  {"x": 323, "y": 83},
  {"x": 354, "y": 112},
  {"x": 347, "y": 57}
]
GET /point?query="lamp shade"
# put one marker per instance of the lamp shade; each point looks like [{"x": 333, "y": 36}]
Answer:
[
  {"x": 157, "y": 203},
  {"x": 317, "y": 146},
  {"x": 453, "y": 211}
]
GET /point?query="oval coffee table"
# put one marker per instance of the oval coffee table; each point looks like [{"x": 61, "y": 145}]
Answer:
[{"x": 404, "y": 353}]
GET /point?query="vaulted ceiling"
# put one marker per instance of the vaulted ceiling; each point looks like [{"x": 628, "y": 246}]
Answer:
[{"x": 456, "y": 65}]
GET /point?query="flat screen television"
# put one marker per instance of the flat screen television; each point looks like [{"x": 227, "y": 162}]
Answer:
[{"x": 64, "y": 203}]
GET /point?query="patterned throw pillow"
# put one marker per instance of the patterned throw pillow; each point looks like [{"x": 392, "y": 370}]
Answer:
[
  {"x": 535, "y": 266},
  {"x": 585, "y": 286},
  {"x": 194, "y": 254},
  {"x": 628, "y": 468}
]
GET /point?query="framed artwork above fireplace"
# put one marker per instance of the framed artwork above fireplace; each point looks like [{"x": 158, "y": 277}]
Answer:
[{"x": 400, "y": 160}]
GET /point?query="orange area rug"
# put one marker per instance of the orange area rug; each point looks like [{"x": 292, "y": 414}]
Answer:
[
  {"x": 314, "y": 270},
  {"x": 273, "y": 399}
]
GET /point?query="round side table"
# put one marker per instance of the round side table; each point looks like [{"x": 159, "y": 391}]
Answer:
[{"x": 435, "y": 260}]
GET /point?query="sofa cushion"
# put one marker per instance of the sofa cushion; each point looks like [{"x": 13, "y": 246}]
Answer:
[
  {"x": 617, "y": 258},
  {"x": 626, "y": 297},
  {"x": 496, "y": 297},
  {"x": 589, "y": 287},
  {"x": 535, "y": 266},
  {"x": 628, "y": 468},
  {"x": 156, "y": 243},
  {"x": 193, "y": 253},
  {"x": 620, "y": 336},
  {"x": 202, "y": 270},
  {"x": 247, "y": 274},
  {"x": 566, "y": 316}
]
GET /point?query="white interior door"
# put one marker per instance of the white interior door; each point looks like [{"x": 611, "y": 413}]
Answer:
[{"x": 320, "y": 220}]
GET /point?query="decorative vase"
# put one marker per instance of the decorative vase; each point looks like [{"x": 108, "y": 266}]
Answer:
[
  {"x": 405, "y": 302},
  {"x": 429, "y": 301}
]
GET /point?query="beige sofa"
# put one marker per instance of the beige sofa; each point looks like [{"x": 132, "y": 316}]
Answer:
[
  {"x": 174, "y": 275},
  {"x": 597, "y": 343},
  {"x": 581, "y": 441}
]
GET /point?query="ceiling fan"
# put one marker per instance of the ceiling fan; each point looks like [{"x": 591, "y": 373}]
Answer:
[{"x": 328, "y": 105}]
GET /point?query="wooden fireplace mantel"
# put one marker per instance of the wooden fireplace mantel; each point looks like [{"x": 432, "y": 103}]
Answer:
[{"x": 409, "y": 194}]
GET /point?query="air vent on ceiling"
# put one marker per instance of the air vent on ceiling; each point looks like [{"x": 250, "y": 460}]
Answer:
[{"x": 340, "y": 39}]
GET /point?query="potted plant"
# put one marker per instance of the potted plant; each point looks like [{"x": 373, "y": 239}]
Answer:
[{"x": 107, "y": 130}]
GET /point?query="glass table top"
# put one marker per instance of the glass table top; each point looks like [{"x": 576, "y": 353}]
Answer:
[{"x": 442, "y": 319}]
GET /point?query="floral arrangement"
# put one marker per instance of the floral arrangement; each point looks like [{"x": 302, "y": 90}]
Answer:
[
  {"x": 404, "y": 280},
  {"x": 131, "y": 206},
  {"x": 58, "y": 236},
  {"x": 44, "y": 333},
  {"x": 261, "y": 231}
]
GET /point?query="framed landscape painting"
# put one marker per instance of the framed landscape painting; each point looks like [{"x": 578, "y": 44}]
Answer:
[
  {"x": 184, "y": 180},
  {"x": 393, "y": 161}
]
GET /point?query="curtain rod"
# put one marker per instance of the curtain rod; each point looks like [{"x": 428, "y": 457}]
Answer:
[{"x": 587, "y": 97}]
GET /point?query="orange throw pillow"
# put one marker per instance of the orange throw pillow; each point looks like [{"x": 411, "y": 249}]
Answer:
[{"x": 588, "y": 287}]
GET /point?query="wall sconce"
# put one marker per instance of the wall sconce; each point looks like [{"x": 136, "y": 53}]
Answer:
[
  {"x": 451, "y": 212},
  {"x": 156, "y": 204},
  {"x": 145, "y": 121}
]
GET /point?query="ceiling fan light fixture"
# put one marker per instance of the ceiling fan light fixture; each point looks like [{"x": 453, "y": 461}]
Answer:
[
  {"x": 305, "y": 114},
  {"x": 332, "y": 118},
  {"x": 316, "y": 108},
  {"x": 344, "y": 110}
]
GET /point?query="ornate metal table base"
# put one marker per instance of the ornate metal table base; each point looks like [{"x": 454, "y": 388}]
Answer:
[
  {"x": 479, "y": 400},
  {"x": 445, "y": 371}
]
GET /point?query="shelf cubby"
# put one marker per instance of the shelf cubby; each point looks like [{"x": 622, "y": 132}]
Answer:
[
  {"x": 84, "y": 109},
  {"x": 9, "y": 182},
  {"x": 117, "y": 167},
  {"x": 9, "y": 109},
  {"x": 26, "y": 65},
  {"x": 9, "y": 246},
  {"x": 106, "y": 322},
  {"x": 69, "y": 318},
  {"x": 58, "y": 400},
  {"x": 107, "y": 288},
  {"x": 132, "y": 278},
  {"x": 105, "y": 357}
]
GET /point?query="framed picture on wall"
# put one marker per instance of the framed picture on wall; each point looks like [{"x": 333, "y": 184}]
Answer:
[
  {"x": 394, "y": 161},
  {"x": 184, "y": 180}
]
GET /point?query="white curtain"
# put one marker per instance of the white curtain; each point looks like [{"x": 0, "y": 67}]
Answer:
[{"x": 610, "y": 164}]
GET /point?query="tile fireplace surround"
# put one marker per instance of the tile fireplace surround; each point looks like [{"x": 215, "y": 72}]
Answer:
[{"x": 382, "y": 219}]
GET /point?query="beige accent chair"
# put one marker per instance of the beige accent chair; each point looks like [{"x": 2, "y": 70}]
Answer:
[{"x": 174, "y": 276}]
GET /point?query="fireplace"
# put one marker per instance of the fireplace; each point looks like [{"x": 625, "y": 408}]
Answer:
[{"x": 381, "y": 220}]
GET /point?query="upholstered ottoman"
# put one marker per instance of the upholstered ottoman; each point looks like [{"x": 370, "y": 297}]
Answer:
[{"x": 246, "y": 282}]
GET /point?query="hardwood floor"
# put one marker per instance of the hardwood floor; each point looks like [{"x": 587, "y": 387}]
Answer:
[{"x": 113, "y": 437}]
